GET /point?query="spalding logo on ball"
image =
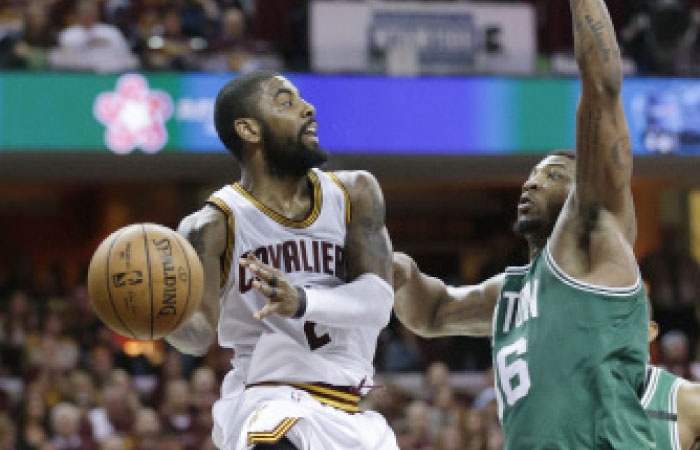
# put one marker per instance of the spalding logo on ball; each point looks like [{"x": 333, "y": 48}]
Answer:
[{"x": 144, "y": 280}]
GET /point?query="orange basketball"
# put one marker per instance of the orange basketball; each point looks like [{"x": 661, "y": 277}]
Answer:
[{"x": 144, "y": 280}]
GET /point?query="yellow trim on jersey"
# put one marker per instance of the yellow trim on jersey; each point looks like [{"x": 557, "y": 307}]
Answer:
[
  {"x": 230, "y": 237},
  {"x": 330, "y": 402},
  {"x": 316, "y": 199},
  {"x": 336, "y": 397},
  {"x": 334, "y": 177},
  {"x": 328, "y": 392},
  {"x": 272, "y": 437}
]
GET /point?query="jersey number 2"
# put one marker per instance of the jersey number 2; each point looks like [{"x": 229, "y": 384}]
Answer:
[
  {"x": 507, "y": 373},
  {"x": 315, "y": 342}
]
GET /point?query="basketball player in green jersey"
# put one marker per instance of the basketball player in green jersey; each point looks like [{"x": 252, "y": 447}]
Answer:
[
  {"x": 569, "y": 329},
  {"x": 672, "y": 404}
]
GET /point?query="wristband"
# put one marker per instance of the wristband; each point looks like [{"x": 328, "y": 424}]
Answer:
[{"x": 301, "y": 295}]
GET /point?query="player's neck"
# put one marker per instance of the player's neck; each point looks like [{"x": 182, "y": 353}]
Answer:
[
  {"x": 535, "y": 244},
  {"x": 290, "y": 196}
]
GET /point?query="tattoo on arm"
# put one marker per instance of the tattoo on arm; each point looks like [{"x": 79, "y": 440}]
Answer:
[
  {"x": 597, "y": 27},
  {"x": 368, "y": 244}
]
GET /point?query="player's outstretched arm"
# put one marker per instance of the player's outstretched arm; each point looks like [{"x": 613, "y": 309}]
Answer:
[
  {"x": 603, "y": 147},
  {"x": 367, "y": 297},
  {"x": 688, "y": 398},
  {"x": 430, "y": 308},
  {"x": 206, "y": 231}
]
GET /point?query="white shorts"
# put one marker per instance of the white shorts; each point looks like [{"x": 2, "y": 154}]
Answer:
[{"x": 266, "y": 414}]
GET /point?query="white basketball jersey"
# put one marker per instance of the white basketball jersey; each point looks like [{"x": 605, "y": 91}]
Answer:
[{"x": 310, "y": 253}]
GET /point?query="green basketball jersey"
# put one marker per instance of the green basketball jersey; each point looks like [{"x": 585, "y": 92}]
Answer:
[
  {"x": 659, "y": 401},
  {"x": 569, "y": 361}
]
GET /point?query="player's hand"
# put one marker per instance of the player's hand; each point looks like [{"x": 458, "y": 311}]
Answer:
[
  {"x": 404, "y": 266},
  {"x": 283, "y": 298}
]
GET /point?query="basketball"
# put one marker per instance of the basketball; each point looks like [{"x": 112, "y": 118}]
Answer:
[{"x": 144, "y": 280}]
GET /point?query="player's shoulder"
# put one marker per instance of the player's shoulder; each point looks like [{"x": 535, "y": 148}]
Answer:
[
  {"x": 360, "y": 184},
  {"x": 207, "y": 224}
]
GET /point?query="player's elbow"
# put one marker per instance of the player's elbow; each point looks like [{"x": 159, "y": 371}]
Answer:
[
  {"x": 605, "y": 83},
  {"x": 414, "y": 320}
]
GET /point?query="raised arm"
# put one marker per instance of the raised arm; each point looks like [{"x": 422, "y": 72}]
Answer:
[
  {"x": 688, "y": 397},
  {"x": 206, "y": 231},
  {"x": 603, "y": 148},
  {"x": 430, "y": 308}
]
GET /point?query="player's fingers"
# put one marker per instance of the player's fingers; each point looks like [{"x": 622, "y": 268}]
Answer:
[
  {"x": 266, "y": 311},
  {"x": 248, "y": 260},
  {"x": 266, "y": 290},
  {"x": 265, "y": 273}
]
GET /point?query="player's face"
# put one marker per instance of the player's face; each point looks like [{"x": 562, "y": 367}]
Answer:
[
  {"x": 543, "y": 196},
  {"x": 290, "y": 142}
]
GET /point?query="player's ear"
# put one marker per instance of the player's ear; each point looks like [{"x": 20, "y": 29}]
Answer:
[
  {"x": 653, "y": 330},
  {"x": 248, "y": 130}
]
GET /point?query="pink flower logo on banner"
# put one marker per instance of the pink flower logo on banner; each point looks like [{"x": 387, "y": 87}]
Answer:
[{"x": 134, "y": 115}]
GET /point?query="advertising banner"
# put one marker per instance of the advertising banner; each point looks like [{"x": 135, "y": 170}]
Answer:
[
  {"x": 423, "y": 37},
  {"x": 356, "y": 114}
]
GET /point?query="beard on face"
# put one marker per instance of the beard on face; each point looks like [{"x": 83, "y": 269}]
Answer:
[
  {"x": 535, "y": 227},
  {"x": 290, "y": 157},
  {"x": 538, "y": 228}
]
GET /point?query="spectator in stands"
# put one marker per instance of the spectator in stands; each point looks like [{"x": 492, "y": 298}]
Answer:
[
  {"x": 168, "y": 48},
  {"x": 146, "y": 429},
  {"x": 32, "y": 421},
  {"x": 114, "y": 415},
  {"x": 449, "y": 438},
  {"x": 8, "y": 439},
  {"x": 113, "y": 443},
  {"x": 476, "y": 427},
  {"x": 231, "y": 49},
  {"x": 663, "y": 38},
  {"x": 445, "y": 410},
  {"x": 204, "y": 388},
  {"x": 674, "y": 280},
  {"x": 675, "y": 353},
  {"x": 92, "y": 45},
  {"x": 176, "y": 414},
  {"x": 81, "y": 391},
  {"x": 28, "y": 48},
  {"x": 65, "y": 423},
  {"x": 100, "y": 364},
  {"x": 199, "y": 17},
  {"x": 415, "y": 433}
]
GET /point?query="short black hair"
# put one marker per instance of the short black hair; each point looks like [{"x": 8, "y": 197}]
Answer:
[
  {"x": 237, "y": 100},
  {"x": 565, "y": 153}
]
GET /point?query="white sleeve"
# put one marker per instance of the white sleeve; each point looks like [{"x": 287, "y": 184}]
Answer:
[{"x": 365, "y": 302}]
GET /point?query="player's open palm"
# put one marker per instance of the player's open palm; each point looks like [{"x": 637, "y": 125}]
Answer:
[{"x": 283, "y": 297}]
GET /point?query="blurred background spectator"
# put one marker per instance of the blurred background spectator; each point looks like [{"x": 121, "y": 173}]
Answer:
[
  {"x": 89, "y": 44},
  {"x": 27, "y": 48}
]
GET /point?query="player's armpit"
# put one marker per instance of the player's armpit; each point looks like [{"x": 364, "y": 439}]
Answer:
[
  {"x": 688, "y": 398},
  {"x": 206, "y": 231}
]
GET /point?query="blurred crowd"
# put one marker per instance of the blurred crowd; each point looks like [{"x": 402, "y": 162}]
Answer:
[
  {"x": 154, "y": 35},
  {"x": 67, "y": 382},
  {"x": 658, "y": 37}
]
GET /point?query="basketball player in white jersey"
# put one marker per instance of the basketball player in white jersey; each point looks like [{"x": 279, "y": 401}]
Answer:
[{"x": 297, "y": 269}]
